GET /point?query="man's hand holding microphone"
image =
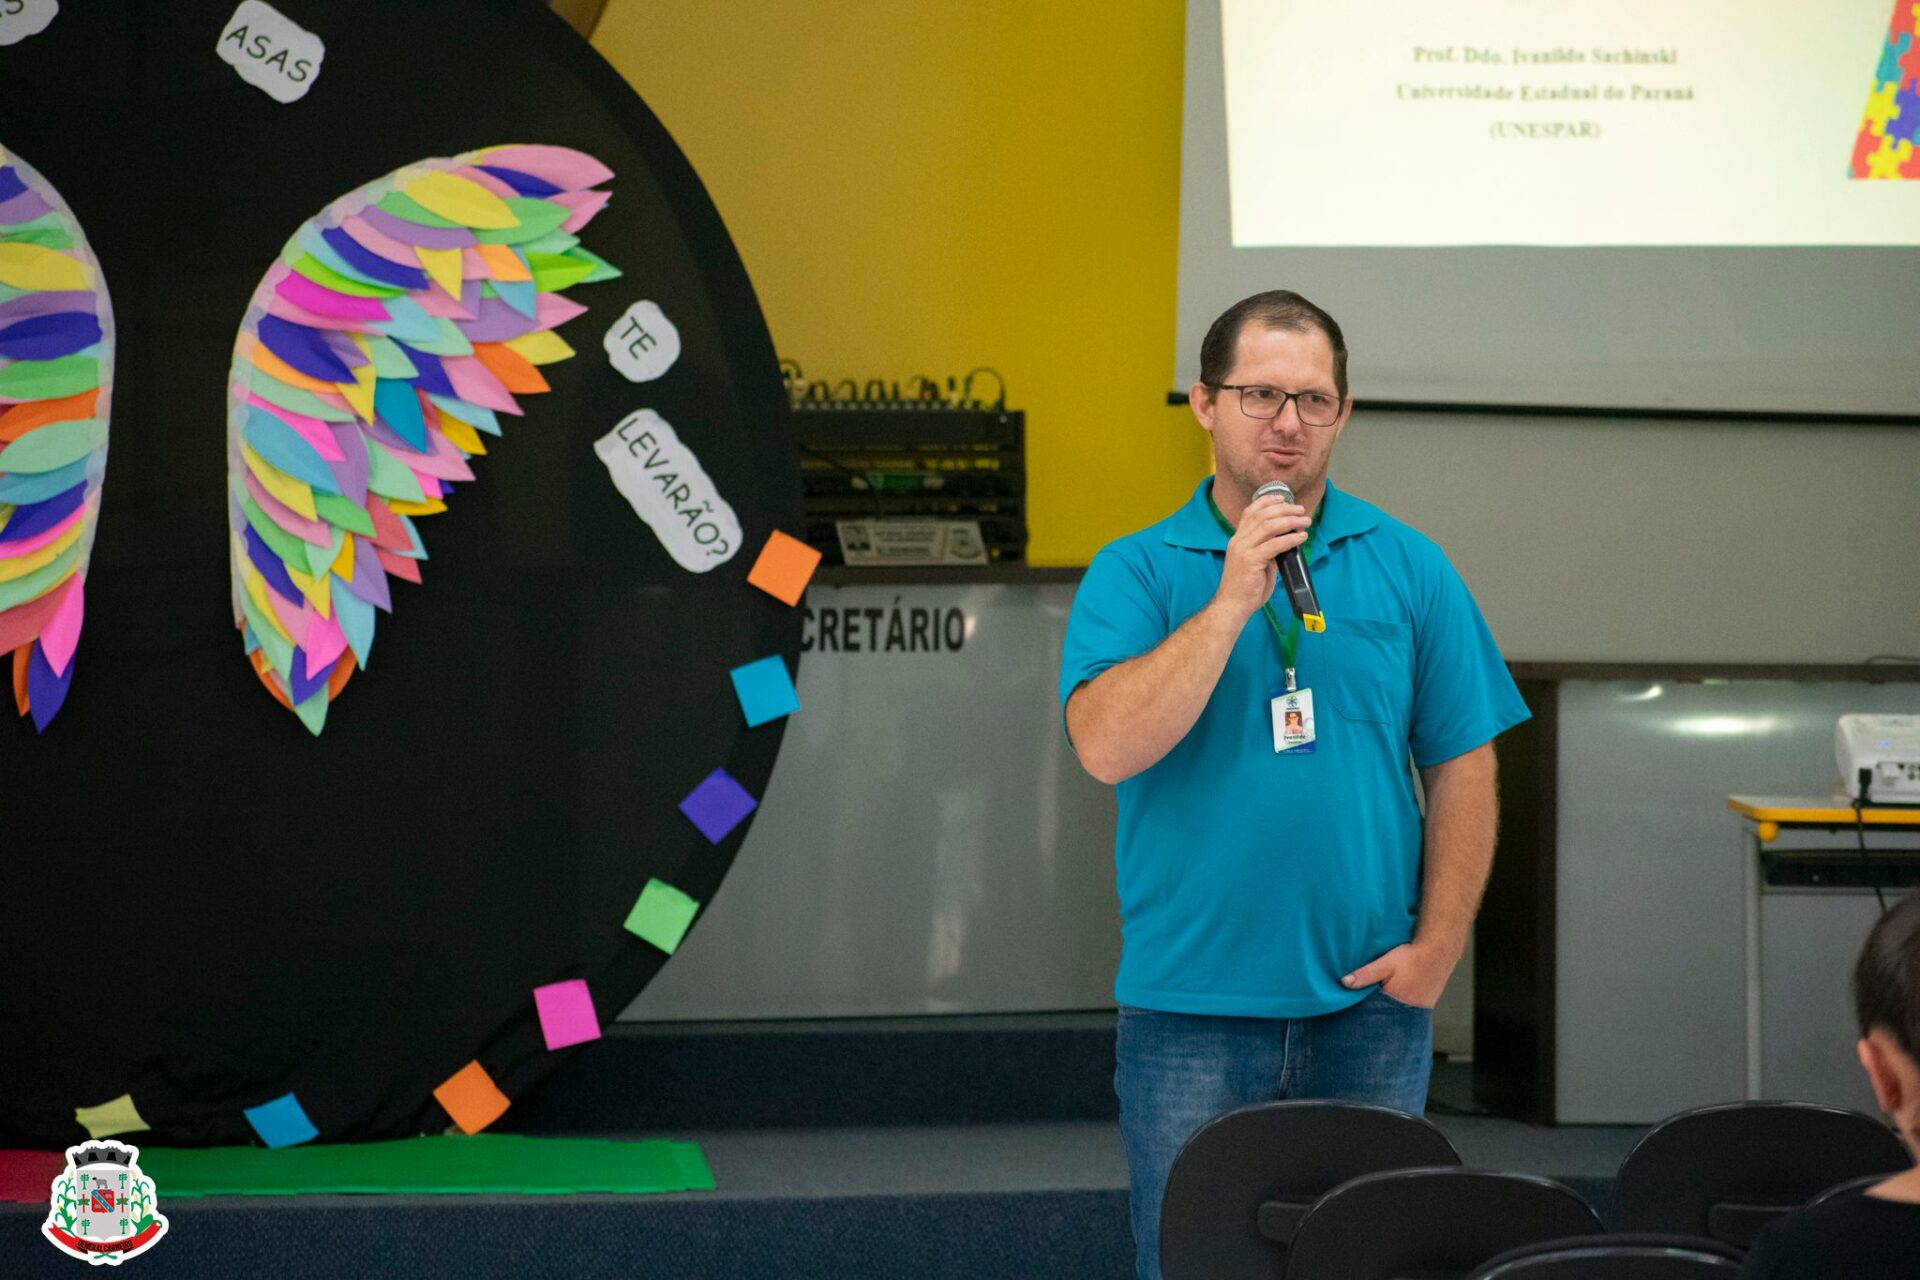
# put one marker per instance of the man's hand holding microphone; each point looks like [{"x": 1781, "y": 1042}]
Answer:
[{"x": 1269, "y": 527}]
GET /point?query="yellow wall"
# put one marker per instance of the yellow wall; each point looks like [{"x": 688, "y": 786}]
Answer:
[{"x": 922, "y": 187}]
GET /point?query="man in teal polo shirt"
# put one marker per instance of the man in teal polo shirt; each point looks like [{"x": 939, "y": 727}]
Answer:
[{"x": 1288, "y": 918}]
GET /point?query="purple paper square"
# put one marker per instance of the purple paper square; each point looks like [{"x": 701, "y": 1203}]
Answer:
[
  {"x": 717, "y": 805},
  {"x": 566, "y": 1013}
]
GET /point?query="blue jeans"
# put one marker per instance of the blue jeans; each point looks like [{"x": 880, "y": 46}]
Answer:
[{"x": 1176, "y": 1071}]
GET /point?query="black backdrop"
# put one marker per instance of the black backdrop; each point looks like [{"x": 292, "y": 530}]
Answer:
[{"x": 201, "y": 904}]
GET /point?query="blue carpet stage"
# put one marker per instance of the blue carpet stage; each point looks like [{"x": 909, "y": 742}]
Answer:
[{"x": 977, "y": 1147}]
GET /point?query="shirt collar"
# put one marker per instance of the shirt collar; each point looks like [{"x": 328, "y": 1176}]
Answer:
[{"x": 1193, "y": 525}]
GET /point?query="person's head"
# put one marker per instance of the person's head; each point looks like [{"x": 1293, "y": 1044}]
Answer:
[
  {"x": 1270, "y": 343},
  {"x": 1886, "y": 999},
  {"x": 1294, "y": 721}
]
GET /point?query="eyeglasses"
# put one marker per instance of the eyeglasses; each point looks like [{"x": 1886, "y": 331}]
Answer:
[{"x": 1316, "y": 408}]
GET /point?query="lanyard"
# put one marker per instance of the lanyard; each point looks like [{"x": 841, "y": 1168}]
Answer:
[{"x": 1287, "y": 637}]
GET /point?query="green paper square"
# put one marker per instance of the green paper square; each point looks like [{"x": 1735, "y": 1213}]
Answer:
[{"x": 662, "y": 916}]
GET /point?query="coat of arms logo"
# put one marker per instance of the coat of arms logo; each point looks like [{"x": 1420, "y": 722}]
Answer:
[{"x": 104, "y": 1210}]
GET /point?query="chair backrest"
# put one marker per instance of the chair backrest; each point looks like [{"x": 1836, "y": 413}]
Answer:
[
  {"x": 1616, "y": 1257},
  {"x": 1430, "y": 1222},
  {"x": 1848, "y": 1187},
  {"x": 1727, "y": 1171},
  {"x": 1243, "y": 1182}
]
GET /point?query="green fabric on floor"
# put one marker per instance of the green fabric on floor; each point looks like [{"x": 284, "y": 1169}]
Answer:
[{"x": 455, "y": 1164}]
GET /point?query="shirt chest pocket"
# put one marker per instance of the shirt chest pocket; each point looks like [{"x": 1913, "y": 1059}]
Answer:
[{"x": 1362, "y": 669}]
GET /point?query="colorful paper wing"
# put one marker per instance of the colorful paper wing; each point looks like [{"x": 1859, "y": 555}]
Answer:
[
  {"x": 394, "y": 329},
  {"x": 56, "y": 376}
]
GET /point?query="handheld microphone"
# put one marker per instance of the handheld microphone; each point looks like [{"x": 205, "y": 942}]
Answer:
[{"x": 1293, "y": 570}]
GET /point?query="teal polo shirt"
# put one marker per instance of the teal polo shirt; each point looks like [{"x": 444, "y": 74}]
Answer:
[{"x": 1251, "y": 881}]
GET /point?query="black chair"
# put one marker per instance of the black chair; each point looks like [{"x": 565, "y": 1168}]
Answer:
[
  {"x": 1430, "y": 1223},
  {"x": 1726, "y": 1171},
  {"x": 1616, "y": 1257},
  {"x": 1244, "y": 1180}
]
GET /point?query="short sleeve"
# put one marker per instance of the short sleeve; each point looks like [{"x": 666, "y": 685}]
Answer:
[
  {"x": 1117, "y": 615},
  {"x": 1463, "y": 695}
]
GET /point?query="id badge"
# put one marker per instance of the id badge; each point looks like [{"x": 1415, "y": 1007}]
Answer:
[{"x": 1293, "y": 722}]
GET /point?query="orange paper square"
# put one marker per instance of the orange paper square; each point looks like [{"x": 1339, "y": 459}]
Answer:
[
  {"x": 783, "y": 568},
  {"x": 471, "y": 1098}
]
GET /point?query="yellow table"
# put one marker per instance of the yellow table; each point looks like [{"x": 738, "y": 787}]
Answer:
[{"x": 1764, "y": 818}]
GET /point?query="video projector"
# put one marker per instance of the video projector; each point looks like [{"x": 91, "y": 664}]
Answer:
[{"x": 1887, "y": 748}]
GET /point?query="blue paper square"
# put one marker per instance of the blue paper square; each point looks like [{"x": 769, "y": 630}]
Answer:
[
  {"x": 765, "y": 690},
  {"x": 281, "y": 1123},
  {"x": 717, "y": 805}
]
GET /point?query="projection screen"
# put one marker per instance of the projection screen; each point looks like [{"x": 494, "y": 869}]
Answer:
[{"x": 1682, "y": 205}]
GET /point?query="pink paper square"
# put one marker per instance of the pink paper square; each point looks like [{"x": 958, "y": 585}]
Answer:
[{"x": 566, "y": 1013}]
